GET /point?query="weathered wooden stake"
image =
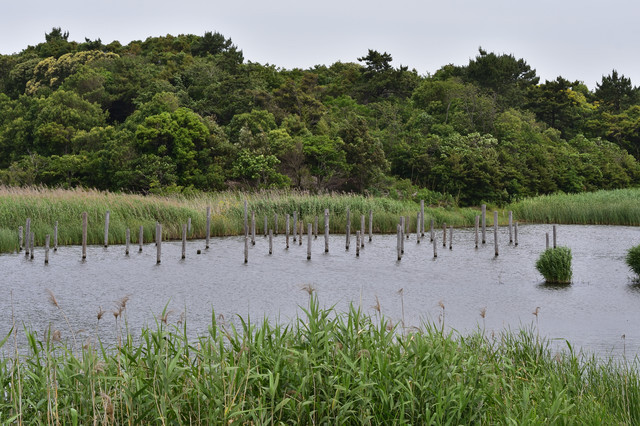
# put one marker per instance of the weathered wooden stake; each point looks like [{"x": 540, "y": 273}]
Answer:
[
  {"x": 554, "y": 236},
  {"x": 295, "y": 225},
  {"x": 444, "y": 234},
  {"x": 348, "y": 230},
  {"x": 370, "y": 225},
  {"x": 127, "y": 238},
  {"x": 407, "y": 223},
  {"x": 84, "y": 235},
  {"x": 402, "y": 234},
  {"x": 246, "y": 220},
  {"x": 266, "y": 225},
  {"x": 451, "y": 237},
  {"x": 516, "y": 234},
  {"x": 422, "y": 218},
  {"x": 495, "y": 231},
  {"x": 158, "y": 243},
  {"x": 140, "y": 238},
  {"x": 399, "y": 241},
  {"x": 275, "y": 224},
  {"x": 362, "y": 231},
  {"x": 286, "y": 230},
  {"x": 106, "y": 229},
  {"x": 184, "y": 241},
  {"x": 208, "y": 230},
  {"x": 33, "y": 237},
  {"x": 27, "y": 236},
  {"x": 326, "y": 230},
  {"x": 270, "y": 241},
  {"x": 309, "y": 239},
  {"x": 357, "y": 243},
  {"x": 315, "y": 227},
  {"x": 510, "y": 227},
  {"x": 484, "y": 223},
  {"x": 476, "y": 229},
  {"x": 246, "y": 249},
  {"x": 253, "y": 228},
  {"x": 55, "y": 236},
  {"x": 46, "y": 249},
  {"x": 301, "y": 231},
  {"x": 547, "y": 238},
  {"x": 432, "y": 231},
  {"x": 418, "y": 231},
  {"x": 20, "y": 238},
  {"x": 435, "y": 248}
]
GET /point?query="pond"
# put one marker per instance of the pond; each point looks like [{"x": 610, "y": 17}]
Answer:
[{"x": 599, "y": 312}]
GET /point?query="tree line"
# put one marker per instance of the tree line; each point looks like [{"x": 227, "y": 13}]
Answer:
[{"x": 188, "y": 113}]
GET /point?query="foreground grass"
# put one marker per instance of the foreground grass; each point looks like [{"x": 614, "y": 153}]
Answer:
[
  {"x": 615, "y": 207},
  {"x": 326, "y": 368},
  {"x": 46, "y": 206}
]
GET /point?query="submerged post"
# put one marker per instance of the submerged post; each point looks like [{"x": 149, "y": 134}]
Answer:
[
  {"x": 399, "y": 241},
  {"x": 451, "y": 237},
  {"x": 315, "y": 227},
  {"x": 484, "y": 223},
  {"x": 286, "y": 230},
  {"x": 46, "y": 249},
  {"x": 27, "y": 236},
  {"x": 158, "y": 243},
  {"x": 407, "y": 223},
  {"x": 495, "y": 231},
  {"x": 510, "y": 227},
  {"x": 309, "y": 238},
  {"x": 246, "y": 220},
  {"x": 357, "y": 243},
  {"x": 266, "y": 225},
  {"x": 208, "y": 230},
  {"x": 253, "y": 228},
  {"x": 547, "y": 238},
  {"x": 370, "y": 225},
  {"x": 270, "y": 241},
  {"x": 477, "y": 225},
  {"x": 432, "y": 231},
  {"x": 418, "y": 231},
  {"x": 33, "y": 237},
  {"x": 362, "y": 230},
  {"x": 127, "y": 238},
  {"x": 55, "y": 236},
  {"x": 402, "y": 234},
  {"x": 20, "y": 238},
  {"x": 516, "y": 234},
  {"x": 275, "y": 224},
  {"x": 295, "y": 225},
  {"x": 106, "y": 229},
  {"x": 301, "y": 231},
  {"x": 84, "y": 235},
  {"x": 326, "y": 230},
  {"x": 435, "y": 248},
  {"x": 246, "y": 249},
  {"x": 554, "y": 236},
  {"x": 422, "y": 218},
  {"x": 184, "y": 241},
  {"x": 444, "y": 234},
  {"x": 348, "y": 230},
  {"x": 141, "y": 238}
]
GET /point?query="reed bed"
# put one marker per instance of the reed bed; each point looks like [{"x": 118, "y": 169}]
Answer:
[
  {"x": 614, "y": 207},
  {"x": 46, "y": 206},
  {"x": 325, "y": 368}
]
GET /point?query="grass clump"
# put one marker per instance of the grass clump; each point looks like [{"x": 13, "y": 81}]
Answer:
[
  {"x": 633, "y": 259},
  {"x": 327, "y": 367},
  {"x": 555, "y": 265}
]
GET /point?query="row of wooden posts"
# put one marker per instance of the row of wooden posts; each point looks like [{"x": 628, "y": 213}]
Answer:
[{"x": 297, "y": 228}]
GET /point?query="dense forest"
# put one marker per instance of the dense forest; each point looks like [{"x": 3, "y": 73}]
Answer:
[{"x": 188, "y": 113}]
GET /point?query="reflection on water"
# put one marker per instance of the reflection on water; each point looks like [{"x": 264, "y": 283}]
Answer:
[{"x": 593, "y": 312}]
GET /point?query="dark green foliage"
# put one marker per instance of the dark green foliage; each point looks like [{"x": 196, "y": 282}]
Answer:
[
  {"x": 186, "y": 112},
  {"x": 555, "y": 265},
  {"x": 633, "y": 259}
]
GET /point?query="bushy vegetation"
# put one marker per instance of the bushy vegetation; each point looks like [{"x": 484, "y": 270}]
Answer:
[
  {"x": 555, "y": 265},
  {"x": 633, "y": 259},
  {"x": 178, "y": 113},
  {"x": 325, "y": 368}
]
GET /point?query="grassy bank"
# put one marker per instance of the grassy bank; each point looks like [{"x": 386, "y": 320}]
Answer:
[
  {"x": 615, "y": 207},
  {"x": 326, "y": 368},
  {"x": 46, "y": 206}
]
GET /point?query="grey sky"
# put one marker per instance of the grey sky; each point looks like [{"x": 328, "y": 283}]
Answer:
[{"x": 577, "y": 39}]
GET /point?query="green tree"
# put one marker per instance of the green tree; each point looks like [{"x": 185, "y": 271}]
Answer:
[{"x": 615, "y": 93}]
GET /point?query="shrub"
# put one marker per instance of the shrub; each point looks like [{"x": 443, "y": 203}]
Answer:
[
  {"x": 555, "y": 265},
  {"x": 633, "y": 259}
]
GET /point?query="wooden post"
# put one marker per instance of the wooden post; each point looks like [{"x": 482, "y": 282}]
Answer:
[
  {"x": 516, "y": 234},
  {"x": 140, "y": 238},
  {"x": 55, "y": 236},
  {"x": 407, "y": 223},
  {"x": 554, "y": 236},
  {"x": 246, "y": 249},
  {"x": 189, "y": 226},
  {"x": 326, "y": 230},
  {"x": 20, "y": 238},
  {"x": 432, "y": 231},
  {"x": 270, "y": 241},
  {"x": 246, "y": 220},
  {"x": 399, "y": 241},
  {"x": 370, "y": 225},
  {"x": 435, "y": 248},
  {"x": 401, "y": 234},
  {"x": 184, "y": 241},
  {"x": 208, "y": 234},
  {"x": 348, "y": 230},
  {"x": 266, "y": 225},
  {"x": 476, "y": 228},
  {"x": 295, "y": 225},
  {"x": 27, "y": 236},
  {"x": 422, "y": 218},
  {"x": 286, "y": 230},
  {"x": 362, "y": 231},
  {"x": 510, "y": 227},
  {"x": 275, "y": 224},
  {"x": 484, "y": 223},
  {"x": 451, "y": 237},
  {"x": 33, "y": 237},
  {"x": 46, "y": 249},
  {"x": 495, "y": 231},
  {"x": 127, "y": 237},
  {"x": 84, "y": 235},
  {"x": 309, "y": 238},
  {"x": 418, "y": 230},
  {"x": 158, "y": 243},
  {"x": 253, "y": 228},
  {"x": 444, "y": 234},
  {"x": 357, "y": 243},
  {"x": 315, "y": 227},
  {"x": 301, "y": 231},
  {"x": 547, "y": 238},
  {"x": 106, "y": 229}
]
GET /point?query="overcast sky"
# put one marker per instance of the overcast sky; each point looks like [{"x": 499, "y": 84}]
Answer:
[{"x": 577, "y": 39}]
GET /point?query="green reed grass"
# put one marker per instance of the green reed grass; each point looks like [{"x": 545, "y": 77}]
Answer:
[
  {"x": 555, "y": 265},
  {"x": 46, "y": 206},
  {"x": 633, "y": 259},
  {"x": 325, "y": 368},
  {"x": 614, "y": 207}
]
